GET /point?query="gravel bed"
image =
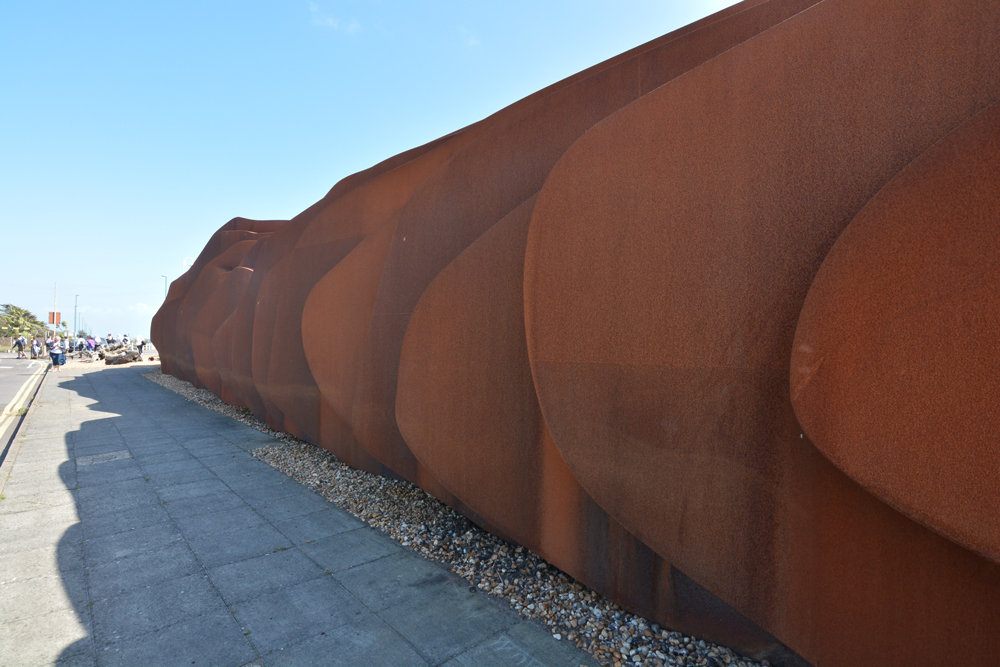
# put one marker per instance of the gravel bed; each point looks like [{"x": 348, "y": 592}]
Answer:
[{"x": 532, "y": 587}]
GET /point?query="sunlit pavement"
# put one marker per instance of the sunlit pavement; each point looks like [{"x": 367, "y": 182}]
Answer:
[{"x": 137, "y": 530}]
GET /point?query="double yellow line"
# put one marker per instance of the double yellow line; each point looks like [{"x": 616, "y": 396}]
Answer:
[{"x": 10, "y": 413}]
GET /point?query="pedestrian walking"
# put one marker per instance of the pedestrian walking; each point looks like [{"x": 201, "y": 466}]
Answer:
[{"x": 57, "y": 354}]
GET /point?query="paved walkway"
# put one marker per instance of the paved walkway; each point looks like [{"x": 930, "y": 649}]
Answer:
[{"x": 137, "y": 530}]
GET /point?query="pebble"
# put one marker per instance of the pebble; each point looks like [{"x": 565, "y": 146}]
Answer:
[{"x": 532, "y": 587}]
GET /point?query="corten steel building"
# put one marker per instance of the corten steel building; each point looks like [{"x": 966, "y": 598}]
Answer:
[{"x": 711, "y": 326}]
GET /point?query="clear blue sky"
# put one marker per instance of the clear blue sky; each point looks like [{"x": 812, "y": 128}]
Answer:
[{"x": 129, "y": 132}]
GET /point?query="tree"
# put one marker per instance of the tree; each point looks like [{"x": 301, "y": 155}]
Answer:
[{"x": 18, "y": 321}]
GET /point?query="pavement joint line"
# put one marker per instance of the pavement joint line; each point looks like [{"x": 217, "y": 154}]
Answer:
[
  {"x": 15, "y": 446},
  {"x": 108, "y": 387},
  {"x": 204, "y": 568}
]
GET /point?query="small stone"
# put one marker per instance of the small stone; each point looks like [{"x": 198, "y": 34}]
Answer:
[{"x": 421, "y": 523}]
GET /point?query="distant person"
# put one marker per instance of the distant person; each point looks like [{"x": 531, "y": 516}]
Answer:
[
  {"x": 36, "y": 348},
  {"x": 91, "y": 343},
  {"x": 19, "y": 344},
  {"x": 142, "y": 345},
  {"x": 57, "y": 354}
]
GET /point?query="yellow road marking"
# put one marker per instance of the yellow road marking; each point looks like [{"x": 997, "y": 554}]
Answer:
[{"x": 10, "y": 412}]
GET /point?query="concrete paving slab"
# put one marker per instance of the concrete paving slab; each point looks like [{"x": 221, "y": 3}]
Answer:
[
  {"x": 367, "y": 641},
  {"x": 144, "y": 610},
  {"x": 123, "y": 460},
  {"x": 205, "y": 436},
  {"x": 250, "y": 473},
  {"x": 172, "y": 538},
  {"x": 220, "y": 502},
  {"x": 393, "y": 580},
  {"x": 219, "y": 448},
  {"x": 203, "y": 488},
  {"x": 524, "y": 644},
  {"x": 446, "y": 621},
  {"x": 38, "y": 596},
  {"x": 293, "y": 505},
  {"x": 44, "y": 519},
  {"x": 230, "y": 545},
  {"x": 89, "y": 497},
  {"x": 317, "y": 525},
  {"x": 98, "y": 445},
  {"x": 51, "y": 639},
  {"x": 251, "y": 578},
  {"x": 245, "y": 468},
  {"x": 46, "y": 561},
  {"x": 101, "y": 453},
  {"x": 26, "y": 467},
  {"x": 110, "y": 578},
  {"x": 113, "y": 496},
  {"x": 258, "y": 489},
  {"x": 163, "y": 481},
  {"x": 33, "y": 501},
  {"x": 130, "y": 543},
  {"x": 351, "y": 548},
  {"x": 36, "y": 435},
  {"x": 158, "y": 455},
  {"x": 291, "y": 615},
  {"x": 125, "y": 520},
  {"x": 31, "y": 484},
  {"x": 186, "y": 462},
  {"x": 226, "y": 459},
  {"x": 241, "y": 517},
  {"x": 103, "y": 476},
  {"x": 213, "y": 639},
  {"x": 29, "y": 455},
  {"x": 152, "y": 447}
]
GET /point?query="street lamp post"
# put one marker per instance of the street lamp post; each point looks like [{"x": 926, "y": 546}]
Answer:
[
  {"x": 164, "y": 287},
  {"x": 76, "y": 328}
]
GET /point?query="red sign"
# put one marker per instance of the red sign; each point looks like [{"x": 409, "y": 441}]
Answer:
[{"x": 55, "y": 318}]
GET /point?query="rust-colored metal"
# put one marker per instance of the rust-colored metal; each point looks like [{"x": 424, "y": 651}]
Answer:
[
  {"x": 506, "y": 161},
  {"x": 573, "y": 321},
  {"x": 669, "y": 256},
  {"x": 896, "y": 359}
]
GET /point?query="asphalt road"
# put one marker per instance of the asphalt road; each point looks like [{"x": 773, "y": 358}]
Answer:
[{"x": 15, "y": 374}]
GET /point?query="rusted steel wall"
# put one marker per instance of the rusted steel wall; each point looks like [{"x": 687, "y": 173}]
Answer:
[{"x": 709, "y": 325}]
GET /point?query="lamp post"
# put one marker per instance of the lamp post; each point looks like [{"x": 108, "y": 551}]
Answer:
[
  {"x": 164, "y": 287},
  {"x": 76, "y": 328}
]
